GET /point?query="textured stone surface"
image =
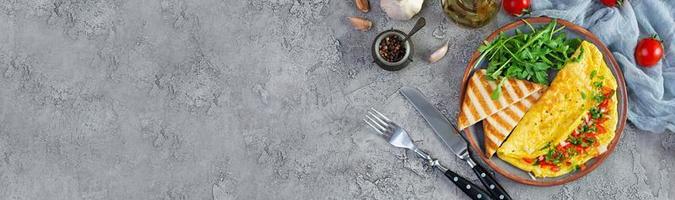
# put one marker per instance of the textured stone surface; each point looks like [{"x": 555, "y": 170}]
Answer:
[{"x": 258, "y": 99}]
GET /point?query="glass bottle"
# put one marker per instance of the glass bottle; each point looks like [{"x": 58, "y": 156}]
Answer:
[{"x": 471, "y": 13}]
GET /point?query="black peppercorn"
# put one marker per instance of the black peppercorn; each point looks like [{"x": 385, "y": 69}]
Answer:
[{"x": 392, "y": 49}]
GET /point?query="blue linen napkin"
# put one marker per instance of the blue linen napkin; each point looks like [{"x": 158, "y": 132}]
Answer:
[{"x": 651, "y": 91}]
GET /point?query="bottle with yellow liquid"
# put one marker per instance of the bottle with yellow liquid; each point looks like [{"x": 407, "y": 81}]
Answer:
[{"x": 471, "y": 13}]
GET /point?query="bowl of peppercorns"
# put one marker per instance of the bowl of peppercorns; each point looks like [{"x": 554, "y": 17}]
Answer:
[{"x": 391, "y": 51}]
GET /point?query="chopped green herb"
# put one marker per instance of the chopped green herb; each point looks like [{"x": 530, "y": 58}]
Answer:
[
  {"x": 572, "y": 151},
  {"x": 546, "y": 146},
  {"x": 596, "y": 113},
  {"x": 583, "y": 95},
  {"x": 599, "y": 97},
  {"x": 593, "y": 73},
  {"x": 549, "y": 155},
  {"x": 586, "y": 128}
]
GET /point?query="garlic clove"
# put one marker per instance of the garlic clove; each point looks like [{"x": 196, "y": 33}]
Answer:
[
  {"x": 439, "y": 53},
  {"x": 360, "y": 23},
  {"x": 362, "y": 5}
]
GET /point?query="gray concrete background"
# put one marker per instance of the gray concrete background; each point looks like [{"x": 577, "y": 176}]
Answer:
[{"x": 208, "y": 99}]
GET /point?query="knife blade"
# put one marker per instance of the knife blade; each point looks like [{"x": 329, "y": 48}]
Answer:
[
  {"x": 439, "y": 123},
  {"x": 452, "y": 138}
]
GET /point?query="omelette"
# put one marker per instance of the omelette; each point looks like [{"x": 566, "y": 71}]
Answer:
[{"x": 572, "y": 122}]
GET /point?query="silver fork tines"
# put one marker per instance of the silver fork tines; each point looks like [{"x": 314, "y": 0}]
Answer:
[
  {"x": 389, "y": 130},
  {"x": 379, "y": 122}
]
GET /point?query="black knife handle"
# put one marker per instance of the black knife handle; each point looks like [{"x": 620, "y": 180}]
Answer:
[
  {"x": 490, "y": 183},
  {"x": 470, "y": 189}
]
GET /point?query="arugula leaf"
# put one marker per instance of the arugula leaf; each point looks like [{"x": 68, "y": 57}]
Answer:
[
  {"x": 495, "y": 94},
  {"x": 528, "y": 55},
  {"x": 540, "y": 77},
  {"x": 540, "y": 66}
]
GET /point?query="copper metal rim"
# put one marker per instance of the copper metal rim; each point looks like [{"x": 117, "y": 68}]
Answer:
[{"x": 475, "y": 146}]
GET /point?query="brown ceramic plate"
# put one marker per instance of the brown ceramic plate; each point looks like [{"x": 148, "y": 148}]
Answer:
[{"x": 475, "y": 133}]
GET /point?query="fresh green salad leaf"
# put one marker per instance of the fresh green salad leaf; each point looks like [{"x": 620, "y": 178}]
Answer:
[{"x": 528, "y": 56}]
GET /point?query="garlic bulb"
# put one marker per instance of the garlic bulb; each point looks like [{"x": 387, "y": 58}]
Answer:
[{"x": 401, "y": 9}]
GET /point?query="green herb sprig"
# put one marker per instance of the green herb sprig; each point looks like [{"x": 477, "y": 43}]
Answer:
[{"x": 527, "y": 56}]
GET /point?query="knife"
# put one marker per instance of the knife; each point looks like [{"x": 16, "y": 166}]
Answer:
[{"x": 452, "y": 138}]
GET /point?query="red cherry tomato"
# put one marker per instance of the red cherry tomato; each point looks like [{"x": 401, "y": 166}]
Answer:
[
  {"x": 579, "y": 149},
  {"x": 600, "y": 129},
  {"x": 648, "y": 52},
  {"x": 516, "y": 7},
  {"x": 545, "y": 164},
  {"x": 603, "y": 104},
  {"x": 555, "y": 168},
  {"x": 611, "y": 3}
]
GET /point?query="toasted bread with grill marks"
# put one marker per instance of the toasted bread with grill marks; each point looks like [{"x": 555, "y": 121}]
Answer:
[{"x": 478, "y": 104}]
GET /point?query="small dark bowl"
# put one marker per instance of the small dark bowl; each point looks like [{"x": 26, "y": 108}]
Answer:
[{"x": 392, "y": 66}]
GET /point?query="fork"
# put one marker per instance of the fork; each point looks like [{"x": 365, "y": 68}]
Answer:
[{"x": 398, "y": 137}]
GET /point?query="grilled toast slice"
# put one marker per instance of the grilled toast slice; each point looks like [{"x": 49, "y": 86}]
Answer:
[{"x": 478, "y": 104}]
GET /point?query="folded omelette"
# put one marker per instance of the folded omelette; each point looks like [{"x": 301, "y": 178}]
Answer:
[{"x": 572, "y": 122}]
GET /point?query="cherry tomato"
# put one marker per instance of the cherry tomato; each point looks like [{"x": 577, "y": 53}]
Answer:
[
  {"x": 555, "y": 168},
  {"x": 527, "y": 160},
  {"x": 600, "y": 129},
  {"x": 648, "y": 52},
  {"x": 604, "y": 104},
  {"x": 607, "y": 91},
  {"x": 579, "y": 149},
  {"x": 516, "y": 7},
  {"x": 545, "y": 164},
  {"x": 559, "y": 147},
  {"x": 611, "y": 3}
]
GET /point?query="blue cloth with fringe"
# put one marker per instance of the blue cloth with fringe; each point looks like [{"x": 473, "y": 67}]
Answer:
[{"x": 651, "y": 91}]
